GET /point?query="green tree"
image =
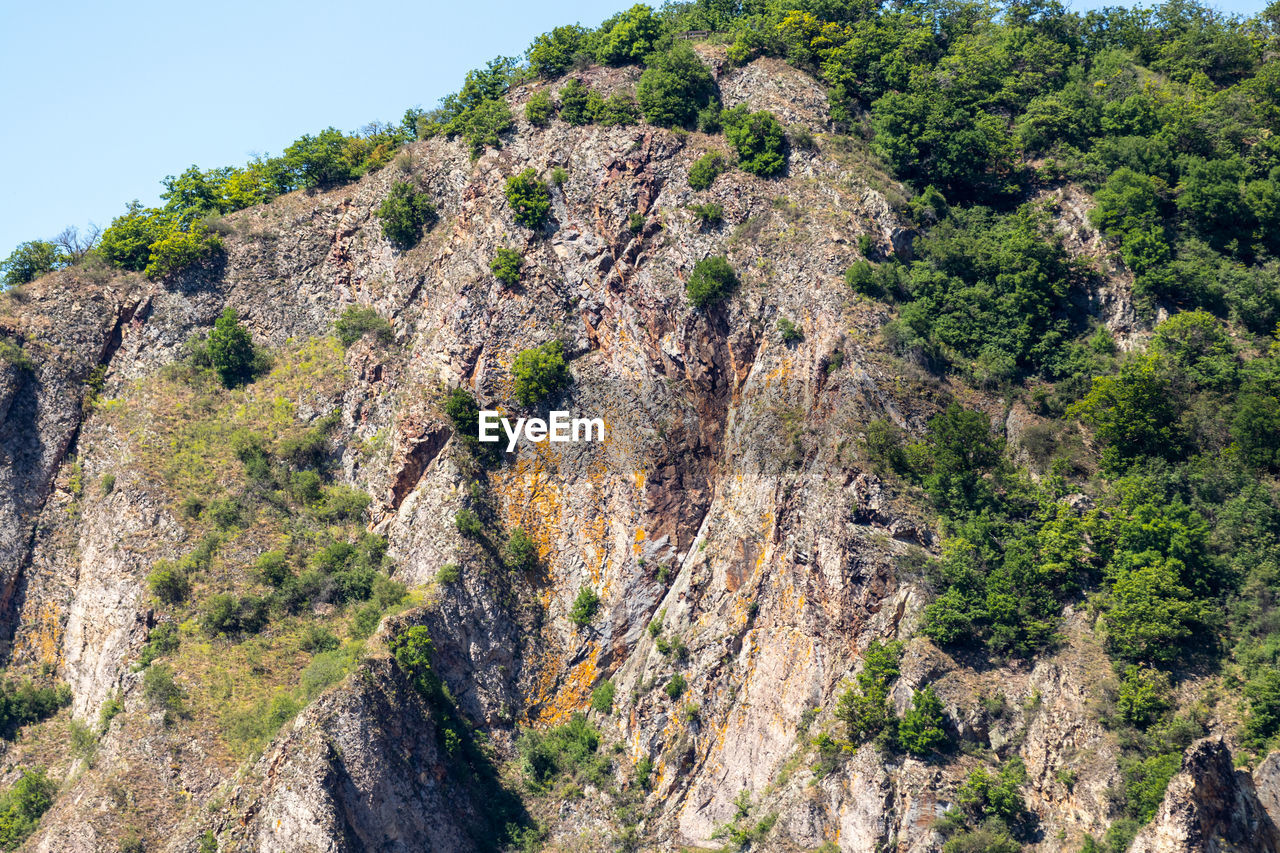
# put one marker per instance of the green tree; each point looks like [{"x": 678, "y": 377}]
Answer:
[
  {"x": 705, "y": 170},
  {"x": 506, "y": 266},
  {"x": 551, "y": 53},
  {"x": 1134, "y": 413},
  {"x": 627, "y": 37},
  {"x": 521, "y": 551},
  {"x": 30, "y": 261},
  {"x": 712, "y": 280},
  {"x": 575, "y": 103},
  {"x": 22, "y": 806},
  {"x": 539, "y": 109},
  {"x": 127, "y": 242},
  {"x": 675, "y": 87},
  {"x": 1144, "y": 696},
  {"x": 177, "y": 250},
  {"x": 584, "y": 607},
  {"x": 865, "y": 710},
  {"x": 405, "y": 213},
  {"x": 413, "y": 650},
  {"x": 920, "y": 731},
  {"x": 320, "y": 160},
  {"x": 539, "y": 372},
  {"x": 1151, "y": 613},
  {"x": 529, "y": 198},
  {"x": 758, "y": 139},
  {"x": 231, "y": 349}
]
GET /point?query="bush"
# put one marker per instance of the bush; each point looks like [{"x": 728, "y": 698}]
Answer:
[
  {"x": 483, "y": 125},
  {"x": 127, "y": 242},
  {"x": 861, "y": 279},
  {"x": 627, "y": 37},
  {"x": 584, "y": 607},
  {"x": 712, "y": 280},
  {"x": 708, "y": 214},
  {"x": 575, "y": 103},
  {"x": 522, "y": 553},
  {"x": 30, "y": 261},
  {"x": 355, "y": 323},
  {"x": 163, "y": 639},
  {"x": 635, "y": 222},
  {"x": 758, "y": 140},
  {"x": 676, "y": 686},
  {"x": 865, "y": 710},
  {"x": 316, "y": 638},
  {"x": 162, "y": 691},
  {"x": 506, "y": 266},
  {"x": 178, "y": 250},
  {"x": 675, "y": 87},
  {"x": 468, "y": 524},
  {"x": 1144, "y": 696},
  {"x": 616, "y": 110},
  {"x": 529, "y": 198},
  {"x": 405, "y": 213},
  {"x": 449, "y": 573},
  {"x": 540, "y": 109},
  {"x": 571, "y": 749},
  {"x": 24, "y": 702},
  {"x": 231, "y": 350},
  {"x": 551, "y": 53},
  {"x": 920, "y": 731},
  {"x": 22, "y": 806},
  {"x": 539, "y": 372},
  {"x": 789, "y": 331},
  {"x": 412, "y": 649},
  {"x": 169, "y": 582},
  {"x": 321, "y": 160},
  {"x": 602, "y": 697},
  {"x": 705, "y": 170}
]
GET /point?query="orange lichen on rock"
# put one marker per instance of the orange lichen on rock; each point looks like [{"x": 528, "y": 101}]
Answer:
[{"x": 43, "y": 640}]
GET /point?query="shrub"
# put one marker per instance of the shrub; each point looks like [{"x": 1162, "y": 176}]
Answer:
[
  {"x": 675, "y": 87},
  {"x": 584, "y": 607},
  {"x": 405, "y": 213},
  {"x": 801, "y": 137},
  {"x": 22, "y": 806},
  {"x": 162, "y": 691},
  {"x": 616, "y": 110},
  {"x": 522, "y": 553},
  {"x": 24, "y": 702},
  {"x": 468, "y": 524},
  {"x": 676, "y": 686},
  {"x": 570, "y": 749},
  {"x": 575, "y": 103},
  {"x": 30, "y": 261},
  {"x": 355, "y": 323},
  {"x": 483, "y": 125},
  {"x": 602, "y": 697},
  {"x": 316, "y": 638},
  {"x": 635, "y": 222},
  {"x": 449, "y": 573},
  {"x": 127, "y": 242},
  {"x": 559, "y": 176},
  {"x": 412, "y": 649},
  {"x": 178, "y": 250},
  {"x": 551, "y": 53},
  {"x": 705, "y": 170},
  {"x": 529, "y": 198},
  {"x": 864, "y": 709},
  {"x": 758, "y": 139},
  {"x": 540, "y": 109},
  {"x": 539, "y": 371},
  {"x": 169, "y": 582},
  {"x": 712, "y": 279},
  {"x": 920, "y": 731},
  {"x": 789, "y": 331},
  {"x": 320, "y": 160},
  {"x": 1144, "y": 696},
  {"x": 707, "y": 214},
  {"x": 628, "y": 36},
  {"x": 231, "y": 349},
  {"x": 861, "y": 279},
  {"x": 506, "y": 266}
]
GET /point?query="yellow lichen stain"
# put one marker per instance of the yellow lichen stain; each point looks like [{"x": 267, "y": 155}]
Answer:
[
  {"x": 639, "y": 478},
  {"x": 572, "y": 694},
  {"x": 640, "y": 537},
  {"x": 44, "y": 639}
]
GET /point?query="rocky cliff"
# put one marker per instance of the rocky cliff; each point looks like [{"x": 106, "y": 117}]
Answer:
[{"x": 732, "y": 525}]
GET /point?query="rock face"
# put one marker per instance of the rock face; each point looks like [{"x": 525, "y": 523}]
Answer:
[
  {"x": 730, "y": 509},
  {"x": 1209, "y": 807}
]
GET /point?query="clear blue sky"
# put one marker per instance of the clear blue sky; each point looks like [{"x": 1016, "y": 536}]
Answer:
[{"x": 102, "y": 100}]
